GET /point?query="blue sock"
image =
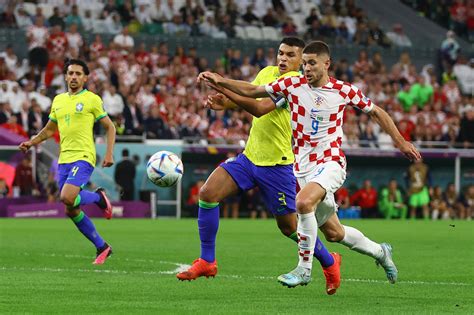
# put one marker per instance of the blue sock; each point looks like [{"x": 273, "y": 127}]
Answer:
[
  {"x": 320, "y": 252},
  {"x": 208, "y": 222},
  {"x": 85, "y": 225},
  {"x": 86, "y": 197}
]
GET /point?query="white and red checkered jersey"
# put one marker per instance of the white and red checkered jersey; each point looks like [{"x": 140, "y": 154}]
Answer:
[{"x": 316, "y": 118}]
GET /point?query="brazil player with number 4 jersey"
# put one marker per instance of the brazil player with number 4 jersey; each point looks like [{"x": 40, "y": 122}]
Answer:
[
  {"x": 267, "y": 162},
  {"x": 73, "y": 114}
]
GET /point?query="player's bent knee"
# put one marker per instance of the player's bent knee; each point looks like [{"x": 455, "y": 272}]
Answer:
[
  {"x": 333, "y": 236},
  {"x": 304, "y": 205},
  {"x": 67, "y": 200},
  {"x": 208, "y": 195}
]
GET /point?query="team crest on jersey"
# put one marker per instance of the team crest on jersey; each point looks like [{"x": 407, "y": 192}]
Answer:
[
  {"x": 318, "y": 101},
  {"x": 79, "y": 107}
]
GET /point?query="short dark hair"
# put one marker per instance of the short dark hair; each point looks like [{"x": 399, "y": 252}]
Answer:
[
  {"x": 293, "y": 41},
  {"x": 125, "y": 153},
  {"x": 317, "y": 47},
  {"x": 76, "y": 62}
]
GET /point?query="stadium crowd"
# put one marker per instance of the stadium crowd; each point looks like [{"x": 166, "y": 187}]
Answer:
[
  {"x": 457, "y": 15},
  {"x": 152, "y": 90}
]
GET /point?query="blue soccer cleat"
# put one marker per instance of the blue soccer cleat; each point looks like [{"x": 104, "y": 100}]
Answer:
[
  {"x": 387, "y": 263},
  {"x": 299, "y": 276}
]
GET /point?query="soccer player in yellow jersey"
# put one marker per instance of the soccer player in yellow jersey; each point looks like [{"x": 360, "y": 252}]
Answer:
[
  {"x": 267, "y": 162},
  {"x": 74, "y": 113}
]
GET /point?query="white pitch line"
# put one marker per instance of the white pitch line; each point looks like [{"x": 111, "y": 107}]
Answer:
[{"x": 182, "y": 267}]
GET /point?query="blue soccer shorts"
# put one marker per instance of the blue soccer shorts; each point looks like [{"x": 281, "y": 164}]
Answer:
[
  {"x": 277, "y": 183},
  {"x": 76, "y": 173}
]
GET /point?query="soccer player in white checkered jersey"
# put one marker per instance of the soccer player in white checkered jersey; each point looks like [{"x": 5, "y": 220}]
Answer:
[{"x": 317, "y": 104}]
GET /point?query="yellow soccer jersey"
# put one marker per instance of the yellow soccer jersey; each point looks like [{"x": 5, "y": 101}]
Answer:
[
  {"x": 269, "y": 141},
  {"x": 75, "y": 116}
]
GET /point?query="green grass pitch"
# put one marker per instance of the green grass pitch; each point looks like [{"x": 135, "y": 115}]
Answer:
[{"x": 45, "y": 267}]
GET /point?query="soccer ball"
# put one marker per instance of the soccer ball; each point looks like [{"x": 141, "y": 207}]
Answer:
[{"x": 164, "y": 169}]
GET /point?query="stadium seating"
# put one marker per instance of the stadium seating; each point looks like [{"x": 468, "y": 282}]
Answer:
[{"x": 253, "y": 32}]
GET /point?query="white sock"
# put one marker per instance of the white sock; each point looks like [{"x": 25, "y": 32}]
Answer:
[
  {"x": 355, "y": 240},
  {"x": 434, "y": 214},
  {"x": 307, "y": 234}
]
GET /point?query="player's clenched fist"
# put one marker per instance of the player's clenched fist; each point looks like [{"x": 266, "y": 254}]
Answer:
[{"x": 25, "y": 146}]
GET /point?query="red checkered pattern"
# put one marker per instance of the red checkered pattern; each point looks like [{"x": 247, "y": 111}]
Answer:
[
  {"x": 317, "y": 117},
  {"x": 305, "y": 254},
  {"x": 57, "y": 43}
]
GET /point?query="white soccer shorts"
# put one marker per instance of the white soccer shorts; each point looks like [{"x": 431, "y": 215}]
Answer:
[{"x": 330, "y": 175}]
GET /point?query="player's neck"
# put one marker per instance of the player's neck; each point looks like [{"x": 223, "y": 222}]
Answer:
[
  {"x": 321, "y": 82},
  {"x": 76, "y": 91}
]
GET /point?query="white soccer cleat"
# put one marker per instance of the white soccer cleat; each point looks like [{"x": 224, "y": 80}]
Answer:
[
  {"x": 299, "y": 276},
  {"x": 387, "y": 263}
]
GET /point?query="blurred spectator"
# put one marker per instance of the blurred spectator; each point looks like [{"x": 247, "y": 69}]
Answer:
[
  {"x": 57, "y": 42},
  {"x": 466, "y": 131},
  {"x": 452, "y": 200},
  {"x": 14, "y": 127},
  {"x": 22, "y": 18},
  {"x": 258, "y": 58},
  {"x": 391, "y": 203},
  {"x": 22, "y": 116},
  {"x": 113, "y": 24},
  {"x": 465, "y": 75},
  {"x": 249, "y": 17},
  {"x": 124, "y": 176},
  {"x": 87, "y": 21},
  {"x": 378, "y": 35},
  {"x": 57, "y": 19},
  {"x": 458, "y": 11},
  {"x": 4, "y": 190},
  {"x": 418, "y": 182},
  {"x": 36, "y": 36},
  {"x": 155, "y": 127},
  {"x": 289, "y": 28},
  {"x": 342, "y": 198},
  {"x": 421, "y": 92},
  {"x": 438, "y": 205},
  {"x": 126, "y": 11},
  {"x": 398, "y": 37},
  {"x": 193, "y": 197},
  {"x": 143, "y": 14},
  {"x": 113, "y": 102},
  {"x": 362, "y": 35},
  {"x": 177, "y": 28},
  {"x": 467, "y": 203},
  {"x": 7, "y": 17},
  {"x": 124, "y": 41},
  {"x": 269, "y": 19},
  {"x": 24, "y": 177},
  {"x": 74, "y": 40},
  {"x": 35, "y": 118},
  {"x": 10, "y": 58},
  {"x": 73, "y": 17},
  {"x": 209, "y": 28},
  {"x": 133, "y": 117},
  {"x": 450, "y": 48},
  {"x": 252, "y": 201},
  {"x": 366, "y": 199}
]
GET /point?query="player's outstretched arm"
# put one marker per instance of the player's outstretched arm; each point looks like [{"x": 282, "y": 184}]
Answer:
[
  {"x": 240, "y": 87},
  {"x": 387, "y": 124},
  {"x": 45, "y": 133},
  {"x": 110, "y": 134},
  {"x": 251, "y": 105}
]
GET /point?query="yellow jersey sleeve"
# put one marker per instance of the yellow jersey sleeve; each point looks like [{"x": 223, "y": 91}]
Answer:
[
  {"x": 52, "y": 115},
  {"x": 98, "y": 108}
]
